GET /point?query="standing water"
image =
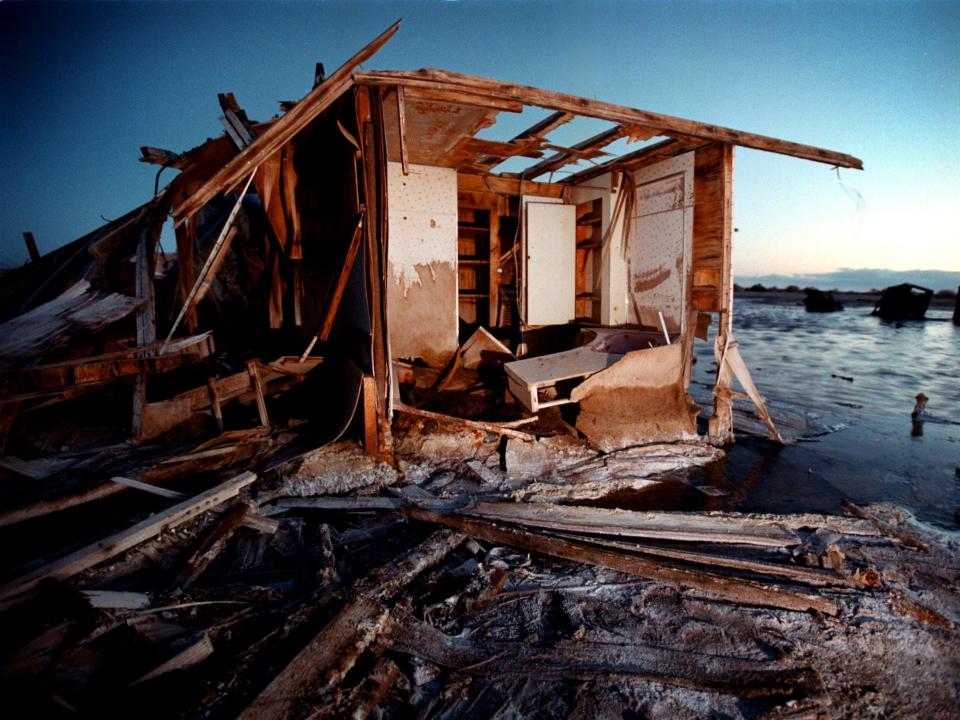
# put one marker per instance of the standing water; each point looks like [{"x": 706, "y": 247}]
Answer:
[{"x": 856, "y": 375}]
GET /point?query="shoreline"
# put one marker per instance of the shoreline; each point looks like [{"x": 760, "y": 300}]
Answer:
[{"x": 847, "y": 298}]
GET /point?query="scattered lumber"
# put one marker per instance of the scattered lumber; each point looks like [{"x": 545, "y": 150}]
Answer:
[
  {"x": 742, "y": 677},
  {"x": 351, "y": 503},
  {"x": 331, "y": 654},
  {"x": 54, "y": 324},
  {"x": 113, "y": 545},
  {"x": 745, "y": 592}
]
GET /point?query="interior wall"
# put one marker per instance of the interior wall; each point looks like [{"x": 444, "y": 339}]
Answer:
[
  {"x": 422, "y": 263},
  {"x": 613, "y": 272},
  {"x": 658, "y": 251}
]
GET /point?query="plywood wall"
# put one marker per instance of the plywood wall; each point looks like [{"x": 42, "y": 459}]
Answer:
[
  {"x": 658, "y": 248},
  {"x": 422, "y": 263}
]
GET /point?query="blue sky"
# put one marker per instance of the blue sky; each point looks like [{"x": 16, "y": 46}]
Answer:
[{"x": 84, "y": 85}]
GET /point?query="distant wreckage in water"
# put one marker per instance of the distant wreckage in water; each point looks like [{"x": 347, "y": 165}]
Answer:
[{"x": 903, "y": 302}]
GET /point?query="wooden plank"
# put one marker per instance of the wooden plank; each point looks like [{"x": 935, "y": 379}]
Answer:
[
  {"x": 471, "y": 183},
  {"x": 606, "y": 111},
  {"x": 196, "y": 652},
  {"x": 733, "y": 357},
  {"x": 214, "y": 392},
  {"x": 31, "y": 246},
  {"x": 159, "y": 156},
  {"x": 353, "y": 503},
  {"x": 254, "y": 374},
  {"x": 116, "y": 600},
  {"x": 568, "y": 155},
  {"x": 475, "y": 424},
  {"x": 212, "y": 545},
  {"x": 682, "y": 527},
  {"x": 370, "y": 414},
  {"x": 282, "y": 131},
  {"x": 460, "y": 97},
  {"x": 113, "y": 545},
  {"x": 213, "y": 261},
  {"x": 402, "y": 131},
  {"x": 635, "y": 160},
  {"x": 728, "y": 589},
  {"x": 148, "y": 488},
  {"x": 327, "y": 658},
  {"x": 720, "y": 426}
]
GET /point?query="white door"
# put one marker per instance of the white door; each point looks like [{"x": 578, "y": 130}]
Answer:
[{"x": 551, "y": 263}]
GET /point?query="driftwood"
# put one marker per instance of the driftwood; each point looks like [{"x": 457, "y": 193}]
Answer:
[
  {"x": 735, "y": 590},
  {"x": 581, "y": 658},
  {"x": 112, "y": 546},
  {"x": 327, "y": 658}
]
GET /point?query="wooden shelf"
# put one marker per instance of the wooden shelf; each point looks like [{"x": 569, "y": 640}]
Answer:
[
  {"x": 473, "y": 261},
  {"x": 472, "y": 295},
  {"x": 473, "y": 230}
]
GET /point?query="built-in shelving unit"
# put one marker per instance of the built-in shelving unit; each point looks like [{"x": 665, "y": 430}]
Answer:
[{"x": 589, "y": 258}]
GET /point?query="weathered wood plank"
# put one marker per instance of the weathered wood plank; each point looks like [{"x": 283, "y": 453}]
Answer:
[
  {"x": 717, "y": 586},
  {"x": 743, "y": 677},
  {"x": 113, "y": 545},
  {"x": 328, "y": 657}
]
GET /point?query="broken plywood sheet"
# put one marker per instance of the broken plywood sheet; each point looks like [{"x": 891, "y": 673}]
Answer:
[
  {"x": 55, "y": 323},
  {"x": 336, "y": 469},
  {"x": 422, "y": 258},
  {"x": 479, "y": 343},
  {"x": 638, "y": 400}
]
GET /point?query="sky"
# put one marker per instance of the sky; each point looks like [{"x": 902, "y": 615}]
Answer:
[{"x": 83, "y": 86}]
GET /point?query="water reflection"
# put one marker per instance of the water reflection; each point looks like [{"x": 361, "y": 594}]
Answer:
[{"x": 851, "y": 370}]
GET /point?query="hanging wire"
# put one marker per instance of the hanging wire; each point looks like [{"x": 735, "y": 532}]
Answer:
[{"x": 851, "y": 192}]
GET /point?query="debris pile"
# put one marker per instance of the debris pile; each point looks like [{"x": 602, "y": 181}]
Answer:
[{"x": 288, "y": 595}]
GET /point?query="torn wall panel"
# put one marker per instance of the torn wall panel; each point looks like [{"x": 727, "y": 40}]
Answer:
[
  {"x": 422, "y": 273},
  {"x": 638, "y": 400},
  {"x": 658, "y": 247}
]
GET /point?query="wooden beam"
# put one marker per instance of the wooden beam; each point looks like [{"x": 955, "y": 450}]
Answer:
[
  {"x": 725, "y": 588},
  {"x": 468, "y": 182},
  {"x": 370, "y": 415},
  {"x": 346, "y": 268},
  {"x": 212, "y": 545},
  {"x": 568, "y": 155},
  {"x": 402, "y": 130},
  {"x": 330, "y": 655},
  {"x": 257, "y": 385},
  {"x": 282, "y": 131},
  {"x": 546, "y": 126},
  {"x": 635, "y": 160},
  {"x": 462, "y": 98},
  {"x": 31, "y": 246},
  {"x": 113, "y": 545},
  {"x": 489, "y": 427},
  {"x": 606, "y": 111}
]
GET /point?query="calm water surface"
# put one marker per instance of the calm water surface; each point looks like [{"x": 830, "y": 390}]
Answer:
[{"x": 872, "y": 457}]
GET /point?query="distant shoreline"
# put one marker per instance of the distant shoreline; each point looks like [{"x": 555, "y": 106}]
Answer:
[{"x": 847, "y": 298}]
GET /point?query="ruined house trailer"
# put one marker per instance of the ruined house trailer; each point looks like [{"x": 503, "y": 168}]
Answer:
[{"x": 370, "y": 230}]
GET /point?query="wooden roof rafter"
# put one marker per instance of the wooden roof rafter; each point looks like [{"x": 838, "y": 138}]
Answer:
[
  {"x": 586, "y": 149},
  {"x": 633, "y": 117},
  {"x": 638, "y": 158}
]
